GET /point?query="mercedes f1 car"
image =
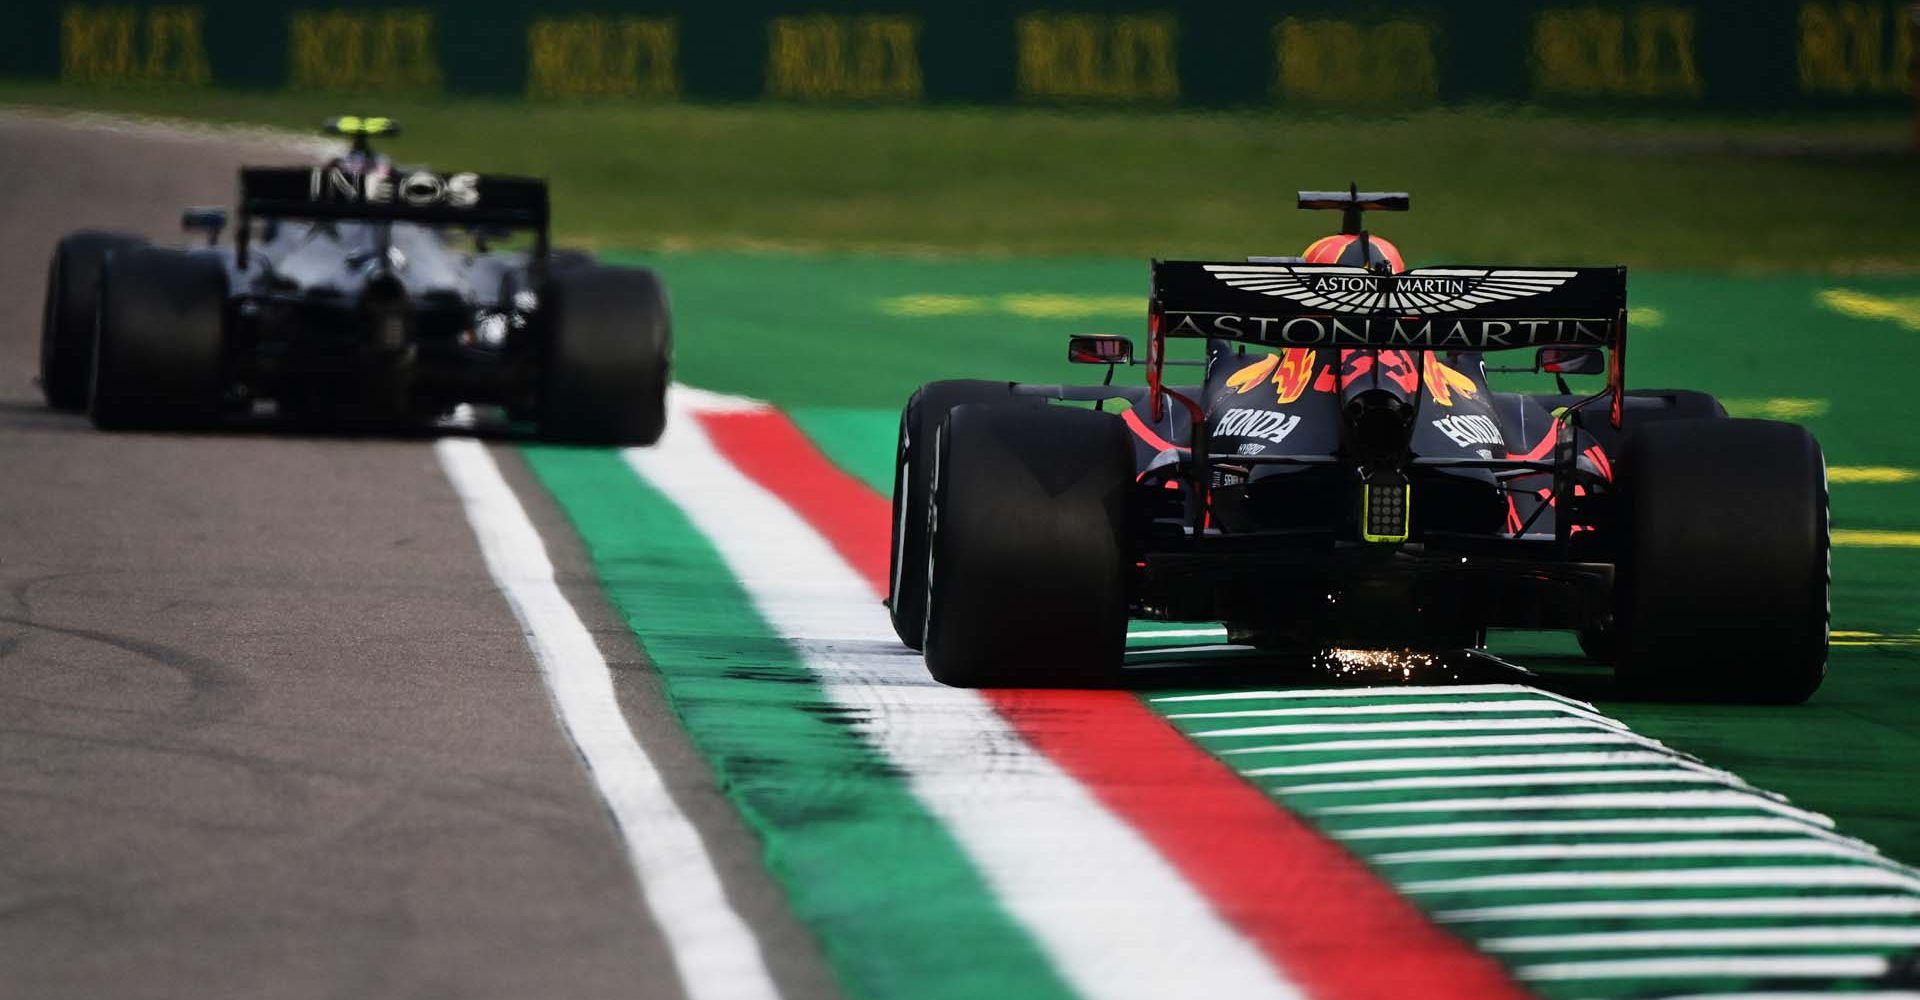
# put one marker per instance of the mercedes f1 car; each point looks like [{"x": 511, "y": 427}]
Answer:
[
  {"x": 358, "y": 291},
  {"x": 1344, "y": 476}
]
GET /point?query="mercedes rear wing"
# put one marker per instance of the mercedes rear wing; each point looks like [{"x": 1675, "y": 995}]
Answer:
[
  {"x": 401, "y": 195},
  {"x": 1452, "y": 308}
]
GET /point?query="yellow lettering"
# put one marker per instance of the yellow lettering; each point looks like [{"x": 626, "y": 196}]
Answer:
[
  {"x": 1854, "y": 48},
  {"x": 1597, "y": 52},
  {"x": 362, "y": 51},
  {"x": 1342, "y": 62},
  {"x": 1130, "y": 57},
  {"x": 129, "y": 46},
  {"x": 594, "y": 56},
  {"x": 833, "y": 57}
]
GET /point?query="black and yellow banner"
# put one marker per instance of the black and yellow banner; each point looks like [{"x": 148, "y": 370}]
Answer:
[{"x": 1715, "y": 54}]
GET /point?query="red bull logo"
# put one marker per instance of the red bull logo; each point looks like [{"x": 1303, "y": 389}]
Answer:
[
  {"x": 1443, "y": 381},
  {"x": 1290, "y": 372}
]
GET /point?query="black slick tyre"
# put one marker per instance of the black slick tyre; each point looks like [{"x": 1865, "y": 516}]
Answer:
[
  {"x": 1599, "y": 643},
  {"x": 1028, "y": 566},
  {"x": 608, "y": 356},
  {"x": 912, "y": 474},
  {"x": 1675, "y": 404},
  {"x": 158, "y": 353},
  {"x": 70, "y": 314},
  {"x": 1721, "y": 588}
]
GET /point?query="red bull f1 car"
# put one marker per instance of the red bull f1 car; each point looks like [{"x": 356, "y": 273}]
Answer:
[
  {"x": 1345, "y": 476},
  {"x": 358, "y": 291}
]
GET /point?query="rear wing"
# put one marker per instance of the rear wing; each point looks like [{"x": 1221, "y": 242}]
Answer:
[
  {"x": 1454, "y": 308},
  {"x": 423, "y": 196}
]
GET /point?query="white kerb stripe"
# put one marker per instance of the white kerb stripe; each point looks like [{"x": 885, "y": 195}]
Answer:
[
  {"x": 1415, "y": 726},
  {"x": 1484, "y": 762},
  {"x": 1591, "y": 801},
  {"x": 1667, "y": 939},
  {"x": 714, "y": 951},
  {"x": 1713, "y": 967},
  {"x": 1802, "y": 995},
  {"x": 1770, "y": 847},
  {"x": 1588, "y": 827},
  {"x": 1509, "y": 705},
  {"x": 1038, "y": 837},
  {"x": 1666, "y": 909},
  {"x": 1596, "y": 737},
  {"x": 1441, "y": 691},
  {"x": 1829, "y": 876},
  {"x": 1641, "y": 776}
]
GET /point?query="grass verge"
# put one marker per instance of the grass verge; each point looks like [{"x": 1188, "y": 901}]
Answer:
[{"x": 1489, "y": 185}]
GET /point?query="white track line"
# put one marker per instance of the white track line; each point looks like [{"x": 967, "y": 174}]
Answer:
[
  {"x": 1597, "y": 737},
  {"x": 1772, "y": 847},
  {"x": 1413, "y": 691},
  {"x": 1593, "y": 801},
  {"x": 1510, "y": 705},
  {"x": 1805, "y": 876},
  {"x": 714, "y": 951},
  {"x": 1177, "y": 633},
  {"x": 1378, "y": 765},
  {"x": 1415, "y": 726},
  {"x": 1668, "y": 775},
  {"x": 1713, "y": 967},
  {"x": 1039, "y": 838},
  {"x": 1588, "y": 827},
  {"x": 1666, "y": 939},
  {"x": 1665, "y": 909}
]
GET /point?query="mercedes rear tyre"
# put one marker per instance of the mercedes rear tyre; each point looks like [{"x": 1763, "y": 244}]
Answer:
[
  {"x": 1027, "y": 555},
  {"x": 912, "y": 473},
  {"x": 609, "y": 352},
  {"x": 71, "y": 312},
  {"x": 1721, "y": 587},
  {"x": 158, "y": 352}
]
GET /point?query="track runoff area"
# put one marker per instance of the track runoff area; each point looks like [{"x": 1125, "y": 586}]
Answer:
[{"x": 1453, "y": 840}]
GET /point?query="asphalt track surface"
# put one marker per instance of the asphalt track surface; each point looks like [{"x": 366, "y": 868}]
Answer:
[{"x": 267, "y": 726}]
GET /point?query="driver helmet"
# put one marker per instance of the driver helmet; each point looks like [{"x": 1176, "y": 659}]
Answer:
[
  {"x": 360, "y": 163},
  {"x": 1346, "y": 248}
]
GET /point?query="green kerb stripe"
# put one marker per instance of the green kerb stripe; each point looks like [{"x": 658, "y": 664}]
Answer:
[{"x": 899, "y": 910}]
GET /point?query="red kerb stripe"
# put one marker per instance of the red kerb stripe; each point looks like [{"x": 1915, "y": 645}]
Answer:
[{"x": 1322, "y": 916}]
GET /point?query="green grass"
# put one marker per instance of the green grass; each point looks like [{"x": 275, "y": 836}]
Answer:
[{"x": 1489, "y": 185}]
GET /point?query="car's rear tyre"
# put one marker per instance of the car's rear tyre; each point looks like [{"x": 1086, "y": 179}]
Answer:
[
  {"x": 158, "y": 353},
  {"x": 70, "y": 314},
  {"x": 912, "y": 475},
  {"x": 1680, "y": 404},
  {"x": 1599, "y": 643},
  {"x": 609, "y": 354},
  {"x": 1027, "y": 562},
  {"x": 1722, "y": 581}
]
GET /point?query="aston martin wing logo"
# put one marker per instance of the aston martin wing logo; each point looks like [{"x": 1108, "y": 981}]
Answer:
[{"x": 1420, "y": 292}]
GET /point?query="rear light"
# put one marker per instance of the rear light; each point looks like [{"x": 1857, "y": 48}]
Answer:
[{"x": 1384, "y": 511}]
